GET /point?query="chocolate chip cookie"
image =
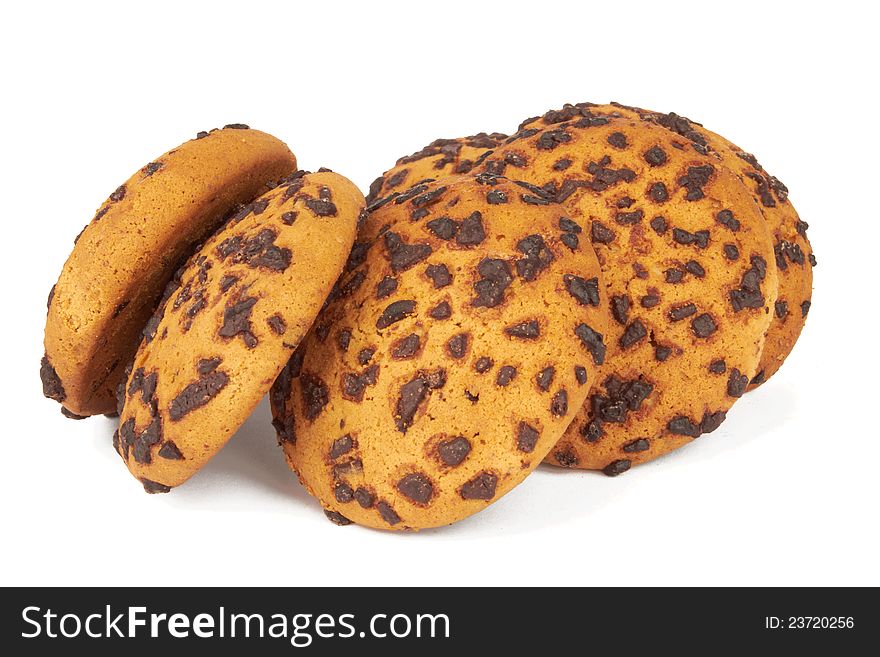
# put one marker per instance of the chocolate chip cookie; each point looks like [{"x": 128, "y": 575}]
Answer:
[
  {"x": 122, "y": 260},
  {"x": 229, "y": 321},
  {"x": 462, "y": 338},
  {"x": 793, "y": 253},
  {"x": 690, "y": 272},
  {"x": 442, "y": 157}
]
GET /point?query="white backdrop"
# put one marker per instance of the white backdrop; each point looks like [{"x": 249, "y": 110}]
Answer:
[{"x": 785, "y": 492}]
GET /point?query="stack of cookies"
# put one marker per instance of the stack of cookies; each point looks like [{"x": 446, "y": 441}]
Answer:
[{"x": 592, "y": 292}]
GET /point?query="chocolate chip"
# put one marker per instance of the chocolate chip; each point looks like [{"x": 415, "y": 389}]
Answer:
[
  {"x": 673, "y": 275},
  {"x": 601, "y": 233},
  {"x": 712, "y": 421},
  {"x": 406, "y": 347},
  {"x": 629, "y": 218},
  {"x": 343, "y": 493},
  {"x": 52, "y": 387},
  {"x": 703, "y": 325},
  {"x": 454, "y": 450},
  {"x": 726, "y": 218},
  {"x": 682, "y": 425},
  {"x": 336, "y": 518},
  {"x": 395, "y": 312},
  {"x": 153, "y": 487},
  {"x": 662, "y": 352},
  {"x": 439, "y": 275},
  {"x": 402, "y": 255},
  {"x": 366, "y": 498},
  {"x": 151, "y": 168},
  {"x": 580, "y": 373},
  {"x": 655, "y": 156},
  {"x": 495, "y": 278},
  {"x": 593, "y": 342},
  {"x": 569, "y": 226},
  {"x": 443, "y": 227},
  {"x": 385, "y": 287},
  {"x": 472, "y": 231},
  {"x": 617, "y": 467},
  {"x": 805, "y": 308},
  {"x": 659, "y": 225},
  {"x": 718, "y": 366},
  {"x": 341, "y": 446},
  {"x": 506, "y": 374},
  {"x": 257, "y": 252},
  {"x": 526, "y": 330},
  {"x": 427, "y": 198},
  {"x": 649, "y": 300},
  {"x": 321, "y": 207},
  {"x": 197, "y": 394},
  {"x": 416, "y": 487},
  {"x": 537, "y": 257},
  {"x": 620, "y": 307},
  {"x": 677, "y": 313},
  {"x": 315, "y": 395},
  {"x": 526, "y": 437},
  {"x": 545, "y": 378},
  {"x": 387, "y": 513},
  {"x": 696, "y": 178},
  {"x": 736, "y": 383},
  {"x": 457, "y": 345},
  {"x": 617, "y": 139},
  {"x": 441, "y": 311},
  {"x": 170, "y": 451},
  {"x": 758, "y": 379},
  {"x": 637, "y": 445},
  {"x": 365, "y": 355},
  {"x": 562, "y": 164},
  {"x": 496, "y": 197},
  {"x": 781, "y": 309},
  {"x": 277, "y": 324},
  {"x": 731, "y": 252},
  {"x": 118, "y": 195},
  {"x": 632, "y": 334},
  {"x": 354, "y": 385},
  {"x": 566, "y": 457},
  {"x": 412, "y": 394},
  {"x": 559, "y": 403},
  {"x": 483, "y": 364},
  {"x": 480, "y": 487},
  {"x": 585, "y": 291},
  {"x": 550, "y": 139},
  {"x": 237, "y": 321}
]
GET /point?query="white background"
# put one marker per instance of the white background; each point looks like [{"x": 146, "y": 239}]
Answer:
[{"x": 785, "y": 492}]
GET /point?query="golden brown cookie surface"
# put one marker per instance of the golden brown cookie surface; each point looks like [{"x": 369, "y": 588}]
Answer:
[
  {"x": 465, "y": 334},
  {"x": 229, "y": 322},
  {"x": 442, "y": 157},
  {"x": 792, "y": 250},
  {"x": 688, "y": 261},
  {"x": 122, "y": 260}
]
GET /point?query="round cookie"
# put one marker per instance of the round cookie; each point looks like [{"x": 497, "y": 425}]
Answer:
[
  {"x": 794, "y": 255},
  {"x": 688, "y": 261},
  {"x": 228, "y": 323},
  {"x": 122, "y": 260},
  {"x": 442, "y": 157},
  {"x": 459, "y": 347}
]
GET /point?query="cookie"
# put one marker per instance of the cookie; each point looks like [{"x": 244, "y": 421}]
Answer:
[
  {"x": 122, "y": 260},
  {"x": 691, "y": 275},
  {"x": 456, "y": 352},
  {"x": 442, "y": 157},
  {"x": 793, "y": 253},
  {"x": 228, "y": 323}
]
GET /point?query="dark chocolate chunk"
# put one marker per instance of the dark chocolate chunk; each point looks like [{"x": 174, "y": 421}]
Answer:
[
  {"x": 655, "y": 156},
  {"x": 545, "y": 378},
  {"x": 439, "y": 275},
  {"x": 703, "y": 325},
  {"x": 637, "y": 445},
  {"x": 472, "y": 231},
  {"x": 416, "y": 487},
  {"x": 395, "y": 312},
  {"x": 617, "y": 467},
  {"x": 585, "y": 291},
  {"x": 403, "y": 255},
  {"x": 559, "y": 403},
  {"x": 632, "y": 334},
  {"x": 405, "y": 347},
  {"x": 170, "y": 451},
  {"x": 387, "y": 513},
  {"x": 537, "y": 257},
  {"x": 454, "y": 450},
  {"x": 277, "y": 324},
  {"x": 480, "y": 487},
  {"x": 601, "y": 233},
  {"x": 341, "y": 446},
  {"x": 197, "y": 394},
  {"x": 526, "y": 437},
  {"x": 483, "y": 364},
  {"x": 441, "y": 311},
  {"x": 315, "y": 395},
  {"x": 593, "y": 342},
  {"x": 526, "y": 330},
  {"x": 506, "y": 374},
  {"x": 736, "y": 383},
  {"x": 52, "y": 387},
  {"x": 620, "y": 307},
  {"x": 154, "y": 487},
  {"x": 677, "y": 313},
  {"x": 495, "y": 278},
  {"x": 457, "y": 345}
]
